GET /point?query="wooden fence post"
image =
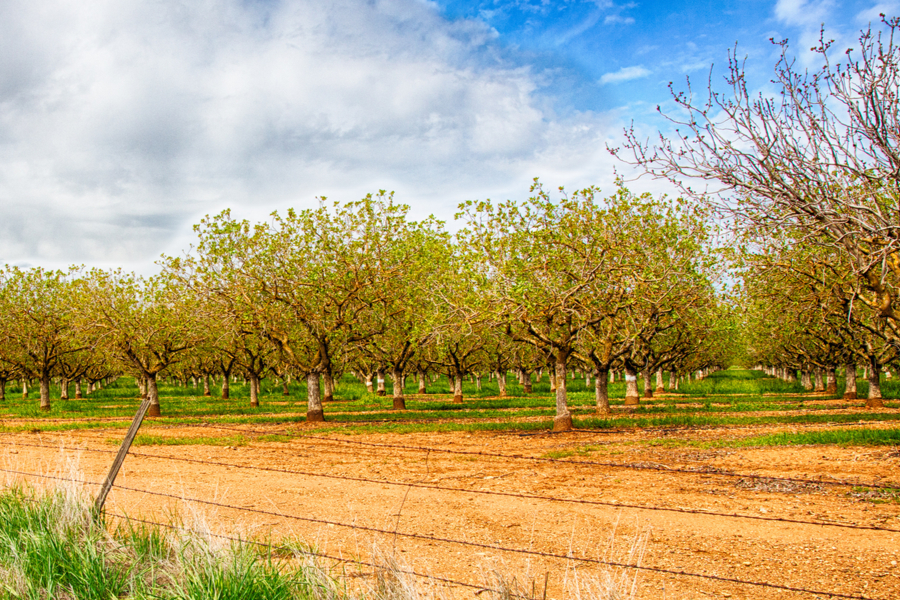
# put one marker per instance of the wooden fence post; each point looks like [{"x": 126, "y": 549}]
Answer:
[{"x": 120, "y": 456}]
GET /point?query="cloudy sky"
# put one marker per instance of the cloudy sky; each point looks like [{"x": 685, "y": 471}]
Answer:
[{"x": 122, "y": 123}]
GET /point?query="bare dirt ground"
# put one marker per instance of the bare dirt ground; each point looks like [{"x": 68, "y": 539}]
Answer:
[{"x": 856, "y": 562}]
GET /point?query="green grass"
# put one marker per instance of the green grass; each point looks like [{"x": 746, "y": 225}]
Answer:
[
  {"x": 732, "y": 397},
  {"x": 50, "y": 547},
  {"x": 840, "y": 437}
]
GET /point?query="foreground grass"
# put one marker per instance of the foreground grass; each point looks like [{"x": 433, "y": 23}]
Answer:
[{"x": 51, "y": 546}]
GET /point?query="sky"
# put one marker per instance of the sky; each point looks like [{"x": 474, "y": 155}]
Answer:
[{"x": 123, "y": 123}]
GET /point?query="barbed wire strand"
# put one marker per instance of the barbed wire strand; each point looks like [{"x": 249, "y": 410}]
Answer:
[
  {"x": 580, "y": 501},
  {"x": 631, "y": 466}
]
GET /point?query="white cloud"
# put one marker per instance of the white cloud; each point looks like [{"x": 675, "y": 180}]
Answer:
[
  {"x": 618, "y": 19},
  {"x": 802, "y": 12},
  {"x": 873, "y": 15},
  {"x": 624, "y": 74},
  {"x": 121, "y": 123}
]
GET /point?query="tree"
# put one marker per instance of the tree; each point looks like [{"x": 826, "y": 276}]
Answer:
[
  {"x": 310, "y": 281},
  {"x": 39, "y": 323},
  {"x": 148, "y": 325},
  {"x": 554, "y": 270},
  {"x": 820, "y": 160}
]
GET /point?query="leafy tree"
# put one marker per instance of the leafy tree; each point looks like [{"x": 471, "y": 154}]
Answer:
[
  {"x": 147, "y": 325},
  {"x": 39, "y": 323}
]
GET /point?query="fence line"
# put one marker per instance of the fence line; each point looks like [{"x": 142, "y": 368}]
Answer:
[
  {"x": 420, "y": 485},
  {"x": 430, "y": 538}
]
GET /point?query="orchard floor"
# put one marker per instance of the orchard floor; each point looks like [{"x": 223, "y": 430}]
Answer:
[{"x": 856, "y": 562}]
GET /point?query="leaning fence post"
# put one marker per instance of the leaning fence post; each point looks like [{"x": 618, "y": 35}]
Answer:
[{"x": 120, "y": 456}]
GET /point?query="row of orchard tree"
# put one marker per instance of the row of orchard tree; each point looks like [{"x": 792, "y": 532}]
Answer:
[
  {"x": 808, "y": 172},
  {"x": 575, "y": 282}
]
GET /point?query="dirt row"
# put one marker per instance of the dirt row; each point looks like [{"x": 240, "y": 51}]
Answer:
[{"x": 759, "y": 549}]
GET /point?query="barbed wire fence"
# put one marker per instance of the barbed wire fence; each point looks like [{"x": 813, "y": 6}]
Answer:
[{"x": 567, "y": 558}]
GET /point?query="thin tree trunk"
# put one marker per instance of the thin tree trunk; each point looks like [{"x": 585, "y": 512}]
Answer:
[
  {"x": 314, "y": 411},
  {"x": 254, "y": 390},
  {"x": 399, "y": 400},
  {"x": 45, "y": 391},
  {"x": 369, "y": 387},
  {"x": 660, "y": 388},
  {"x": 423, "y": 381},
  {"x": 78, "y": 388},
  {"x": 501, "y": 383},
  {"x": 226, "y": 390},
  {"x": 601, "y": 391},
  {"x": 153, "y": 394},
  {"x": 526, "y": 381},
  {"x": 64, "y": 388},
  {"x": 206, "y": 391},
  {"x": 831, "y": 381},
  {"x": 380, "y": 375},
  {"x": 24, "y": 389},
  {"x": 806, "y": 380},
  {"x": 874, "y": 398},
  {"x": 328, "y": 385},
  {"x": 648, "y": 386},
  {"x": 457, "y": 387},
  {"x": 2, "y": 388},
  {"x": 850, "y": 383},
  {"x": 563, "y": 419},
  {"x": 632, "y": 395},
  {"x": 819, "y": 384}
]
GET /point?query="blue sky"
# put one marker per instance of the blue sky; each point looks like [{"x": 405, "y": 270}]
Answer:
[{"x": 122, "y": 124}]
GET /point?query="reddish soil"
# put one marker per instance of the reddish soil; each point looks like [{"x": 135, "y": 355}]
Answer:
[{"x": 818, "y": 557}]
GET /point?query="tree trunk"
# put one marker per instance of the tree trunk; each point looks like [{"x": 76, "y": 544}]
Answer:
[
  {"x": 314, "y": 411},
  {"x": 457, "y": 387},
  {"x": 820, "y": 384},
  {"x": 648, "y": 386},
  {"x": 526, "y": 382},
  {"x": 380, "y": 375},
  {"x": 423, "y": 387},
  {"x": 64, "y": 388},
  {"x": 601, "y": 391},
  {"x": 831, "y": 381},
  {"x": 632, "y": 395},
  {"x": 328, "y": 386},
  {"x": 874, "y": 398},
  {"x": 2, "y": 389},
  {"x": 478, "y": 381},
  {"x": 206, "y": 391},
  {"x": 501, "y": 383},
  {"x": 45, "y": 391},
  {"x": 24, "y": 389},
  {"x": 398, "y": 398},
  {"x": 153, "y": 394},
  {"x": 673, "y": 380},
  {"x": 254, "y": 390},
  {"x": 226, "y": 390},
  {"x": 660, "y": 388},
  {"x": 850, "y": 383},
  {"x": 369, "y": 387},
  {"x": 806, "y": 380},
  {"x": 563, "y": 419}
]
